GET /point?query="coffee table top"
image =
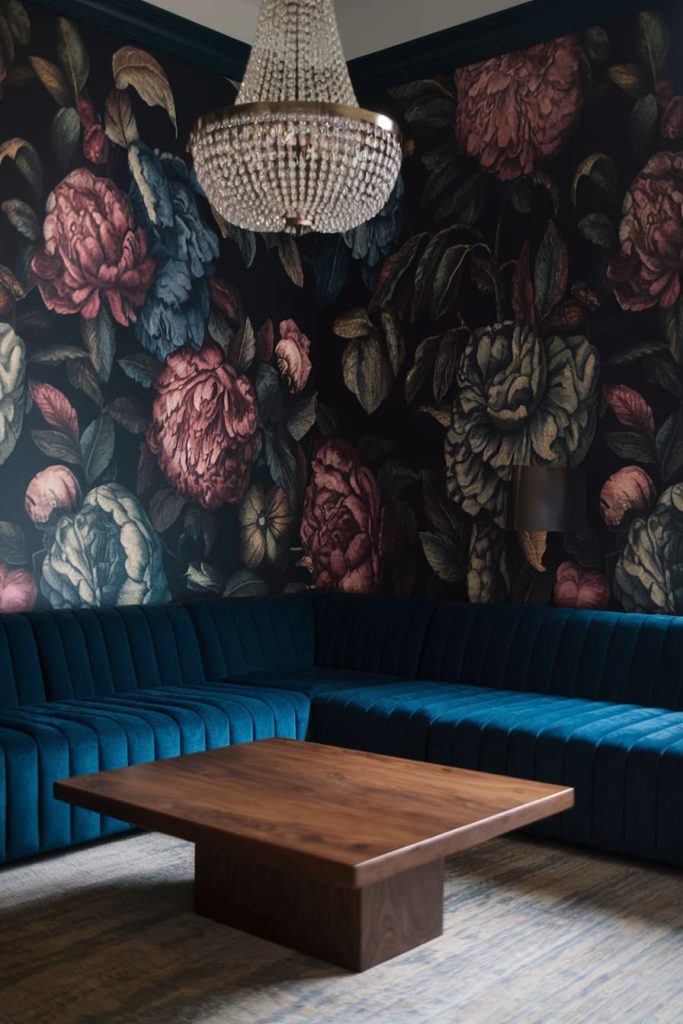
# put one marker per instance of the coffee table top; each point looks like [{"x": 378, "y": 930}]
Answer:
[{"x": 345, "y": 816}]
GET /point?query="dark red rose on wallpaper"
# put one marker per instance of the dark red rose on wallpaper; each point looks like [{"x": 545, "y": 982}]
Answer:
[
  {"x": 647, "y": 270},
  {"x": 514, "y": 112},
  {"x": 630, "y": 491},
  {"x": 341, "y": 527},
  {"x": 205, "y": 427},
  {"x": 93, "y": 250},
  {"x": 576, "y": 587},
  {"x": 291, "y": 354},
  {"x": 95, "y": 142}
]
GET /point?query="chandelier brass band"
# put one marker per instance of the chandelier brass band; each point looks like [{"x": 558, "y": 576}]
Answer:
[{"x": 309, "y": 109}]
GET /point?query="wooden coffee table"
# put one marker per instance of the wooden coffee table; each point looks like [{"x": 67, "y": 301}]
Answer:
[{"x": 333, "y": 852}]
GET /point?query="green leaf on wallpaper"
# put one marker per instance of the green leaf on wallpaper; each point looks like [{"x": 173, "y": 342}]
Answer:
[
  {"x": 446, "y": 556},
  {"x": 331, "y": 262},
  {"x": 544, "y": 181},
  {"x": 129, "y": 414},
  {"x": 57, "y": 354},
  {"x": 242, "y": 347},
  {"x": 57, "y": 445},
  {"x": 601, "y": 171},
  {"x": 245, "y": 584},
  {"x": 672, "y": 325},
  {"x": 426, "y": 267},
  {"x": 65, "y": 134},
  {"x": 290, "y": 258},
  {"x": 302, "y": 417},
  {"x": 445, "y": 516},
  {"x": 97, "y": 447},
  {"x": 669, "y": 444},
  {"x": 632, "y": 78},
  {"x": 653, "y": 41},
  {"x": 268, "y": 393},
  {"x": 20, "y": 77},
  {"x": 632, "y": 446},
  {"x": 663, "y": 371},
  {"x": 394, "y": 477},
  {"x": 220, "y": 327},
  {"x": 141, "y": 368},
  {"x": 393, "y": 337},
  {"x": 164, "y": 508},
  {"x": 137, "y": 68},
  {"x": 327, "y": 420},
  {"x": 12, "y": 544},
  {"x": 367, "y": 371},
  {"x": 6, "y": 43},
  {"x": 81, "y": 375},
  {"x": 243, "y": 239},
  {"x": 26, "y": 160},
  {"x": 596, "y": 44},
  {"x": 11, "y": 283},
  {"x": 394, "y": 288},
  {"x": 598, "y": 229},
  {"x": 551, "y": 271},
  {"x": 100, "y": 341},
  {"x": 281, "y": 459},
  {"x": 73, "y": 56},
  {"x": 447, "y": 279},
  {"x": 354, "y": 324},
  {"x": 18, "y": 21},
  {"x": 119, "y": 120},
  {"x": 631, "y": 355},
  {"x": 22, "y": 218},
  {"x": 644, "y": 124},
  {"x": 446, "y": 362},
  {"x": 423, "y": 366},
  {"x": 201, "y": 576},
  {"x": 54, "y": 80}
]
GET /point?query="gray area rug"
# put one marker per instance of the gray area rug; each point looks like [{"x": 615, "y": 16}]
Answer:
[{"x": 534, "y": 934}]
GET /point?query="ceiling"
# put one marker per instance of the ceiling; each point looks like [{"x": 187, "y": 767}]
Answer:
[{"x": 365, "y": 25}]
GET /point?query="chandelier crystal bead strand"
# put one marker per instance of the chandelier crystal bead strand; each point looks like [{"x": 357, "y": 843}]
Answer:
[{"x": 296, "y": 152}]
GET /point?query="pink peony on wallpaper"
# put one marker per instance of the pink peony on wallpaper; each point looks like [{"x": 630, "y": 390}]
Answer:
[{"x": 188, "y": 408}]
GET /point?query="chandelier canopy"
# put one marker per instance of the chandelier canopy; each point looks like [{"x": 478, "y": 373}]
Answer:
[{"x": 296, "y": 152}]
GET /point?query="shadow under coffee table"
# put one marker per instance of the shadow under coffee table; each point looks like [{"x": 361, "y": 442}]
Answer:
[{"x": 333, "y": 852}]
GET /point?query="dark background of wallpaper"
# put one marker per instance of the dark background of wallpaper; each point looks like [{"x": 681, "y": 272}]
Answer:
[{"x": 418, "y": 538}]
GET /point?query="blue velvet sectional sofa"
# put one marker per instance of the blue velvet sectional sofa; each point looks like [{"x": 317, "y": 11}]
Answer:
[{"x": 593, "y": 700}]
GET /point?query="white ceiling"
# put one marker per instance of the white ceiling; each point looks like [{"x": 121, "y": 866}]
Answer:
[{"x": 365, "y": 25}]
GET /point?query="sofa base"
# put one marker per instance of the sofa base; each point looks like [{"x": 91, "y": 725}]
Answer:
[{"x": 352, "y": 928}]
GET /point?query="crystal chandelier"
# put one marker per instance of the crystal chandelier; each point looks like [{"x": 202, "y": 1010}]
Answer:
[{"x": 296, "y": 152}]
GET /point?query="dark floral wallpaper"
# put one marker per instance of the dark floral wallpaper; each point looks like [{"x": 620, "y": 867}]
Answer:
[{"x": 188, "y": 408}]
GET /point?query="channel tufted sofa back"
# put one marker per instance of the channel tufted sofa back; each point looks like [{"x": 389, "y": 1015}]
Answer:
[{"x": 603, "y": 656}]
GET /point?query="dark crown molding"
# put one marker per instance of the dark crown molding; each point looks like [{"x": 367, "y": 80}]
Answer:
[{"x": 511, "y": 29}]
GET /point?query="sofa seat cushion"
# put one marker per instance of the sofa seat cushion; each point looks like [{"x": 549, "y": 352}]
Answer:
[
  {"x": 315, "y": 680},
  {"x": 40, "y": 744},
  {"x": 625, "y": 761}
]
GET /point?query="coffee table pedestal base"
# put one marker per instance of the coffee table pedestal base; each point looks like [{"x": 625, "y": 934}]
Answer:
[{"x": 353, "y": 928}]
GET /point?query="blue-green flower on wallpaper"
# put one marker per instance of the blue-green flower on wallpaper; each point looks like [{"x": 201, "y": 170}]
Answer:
[
  {"x": 106, "y": 553},
  {"x": 184, "y": 246}
]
